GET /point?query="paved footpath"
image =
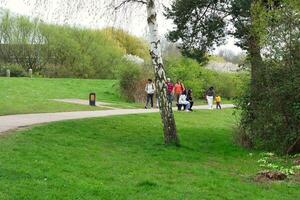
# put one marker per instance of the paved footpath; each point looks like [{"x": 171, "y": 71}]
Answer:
[{"x": 12, "y": 122}]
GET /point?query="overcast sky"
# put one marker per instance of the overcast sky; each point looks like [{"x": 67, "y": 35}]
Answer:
[{"x": 92, "y": 14}]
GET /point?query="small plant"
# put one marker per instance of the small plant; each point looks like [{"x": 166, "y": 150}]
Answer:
[{"x": 271, "y": 162}]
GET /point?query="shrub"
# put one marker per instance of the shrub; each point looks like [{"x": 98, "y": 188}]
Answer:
[
  {"x": 128, "y": 81},
  {"x": 56, "y": 71},
  {"x": 15, "y": 70}
]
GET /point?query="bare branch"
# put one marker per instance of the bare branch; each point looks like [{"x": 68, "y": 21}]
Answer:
[{"x": 129, "y": 1}]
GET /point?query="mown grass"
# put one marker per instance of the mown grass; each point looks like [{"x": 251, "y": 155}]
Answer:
[
  {"x": 124, "y": 158},
  {"x": 24, "y": 95}
]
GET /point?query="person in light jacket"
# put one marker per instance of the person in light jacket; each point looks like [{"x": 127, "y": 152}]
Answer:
[
  {"x": 183, "y": 101},
  {"x": 150, "y": 90}
]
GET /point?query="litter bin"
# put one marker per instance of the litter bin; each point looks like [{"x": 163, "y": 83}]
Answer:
[{"x": 92, "y": 99}]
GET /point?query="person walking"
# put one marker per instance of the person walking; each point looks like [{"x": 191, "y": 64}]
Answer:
[
  {"x": 178, "y": 89},
  {"x": 150, "y": 90},
  {"x": 210, "y": 94},
  {"x": 218, "y": 102}
]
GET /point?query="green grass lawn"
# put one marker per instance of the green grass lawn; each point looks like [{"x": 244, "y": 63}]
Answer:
[
  {"x": 24, "y": 95},
  {"x": 124, "y": 158}
]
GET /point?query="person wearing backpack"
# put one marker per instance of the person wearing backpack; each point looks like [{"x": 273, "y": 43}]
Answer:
[{"x": 150, "y": 90}]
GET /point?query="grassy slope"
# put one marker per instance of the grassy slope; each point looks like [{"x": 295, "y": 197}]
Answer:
[
  {"x": 23, "y": 95},
  {"x": 123, "y": 158}
]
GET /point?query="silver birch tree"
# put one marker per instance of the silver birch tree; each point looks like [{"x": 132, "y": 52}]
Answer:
[
  {"x": 170, "y": 132},
  {"x": 166, "y": 112}
]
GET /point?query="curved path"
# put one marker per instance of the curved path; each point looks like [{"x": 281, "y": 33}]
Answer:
[{"x": 12, "y": 122}]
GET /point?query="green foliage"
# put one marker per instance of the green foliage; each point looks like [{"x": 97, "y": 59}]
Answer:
[
  {"x": 15, "y": 70},
  {"x": 199, "y": 26},
  {"x": 285, "y": 165},
  {"x": 20, "y": 41},
  {"x": 62, "y": 51},
  {"x": 129, "y": 80},
  {"x": 196, "y": 77},
  {"x": 81, "y": 53},
  {"x": 132, "y": 81},
  {"x": 273, "y": 123},
  {"x": 270, "y": 116},
  {"x": 131, "y": 44}
]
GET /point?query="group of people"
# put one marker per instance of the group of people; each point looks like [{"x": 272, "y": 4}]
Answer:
[
  {"x": 175, "y": 91},
  {"x": 182, "y": 96}
]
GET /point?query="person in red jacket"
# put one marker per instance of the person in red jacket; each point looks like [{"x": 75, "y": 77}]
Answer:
[{"x": 170, "y": 90}]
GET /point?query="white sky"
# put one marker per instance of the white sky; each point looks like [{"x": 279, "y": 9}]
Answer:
[{"x": 54, "y": 11}]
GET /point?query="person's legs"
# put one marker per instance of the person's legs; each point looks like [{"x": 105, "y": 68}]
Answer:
[
  {"x": 177, "y": 98},
  {"x": 179, "y": 106},
  {"x": 207, "y": 99},
  {"x": 147, "y": 100},
  {"x": 192, "y": 103},
  {"x": 151, "y": 100},
  {"x": 219, "y": 105},
  {"x": 170, "y": 98},
  {"x": 188, "y": 106},
  {"x": 210, "y": 102}
]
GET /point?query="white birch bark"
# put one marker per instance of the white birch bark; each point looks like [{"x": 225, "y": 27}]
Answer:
[{"x": 167, "y": 116}]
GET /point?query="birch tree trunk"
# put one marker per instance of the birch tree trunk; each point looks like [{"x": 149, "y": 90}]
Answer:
[{"x": 166, "y": 112}]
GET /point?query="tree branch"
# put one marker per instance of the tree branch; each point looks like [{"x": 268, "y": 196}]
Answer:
[{"x": 129, "y": 1}]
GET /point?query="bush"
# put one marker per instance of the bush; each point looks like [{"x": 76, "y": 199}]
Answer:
[
  {"x": 15, "y": 70},
  {"x": 56, "y": 71},
  {"x": 132, "y": 80}
]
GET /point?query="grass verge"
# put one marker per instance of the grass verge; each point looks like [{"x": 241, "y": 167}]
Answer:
[
  {"x": 24, "y": 95},
  {"x": 124, "y": 158}
]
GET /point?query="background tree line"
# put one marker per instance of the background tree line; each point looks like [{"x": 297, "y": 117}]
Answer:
[{"x": 62, "y": 51}]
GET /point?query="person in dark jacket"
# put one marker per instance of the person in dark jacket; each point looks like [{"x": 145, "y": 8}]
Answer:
[{"x": 190, "y": 98}]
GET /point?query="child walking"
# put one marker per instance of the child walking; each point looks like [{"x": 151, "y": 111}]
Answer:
[{"x": 218, "y": 102}]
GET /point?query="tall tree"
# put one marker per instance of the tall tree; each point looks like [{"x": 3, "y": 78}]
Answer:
[{"x": 200, "y": 25}]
